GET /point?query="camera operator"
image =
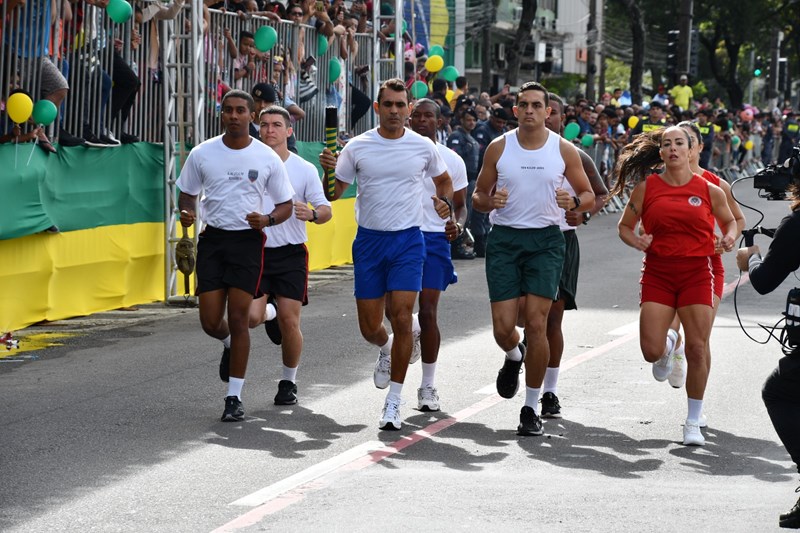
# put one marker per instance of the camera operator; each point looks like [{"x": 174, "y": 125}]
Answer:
[{"x": 781, "y": 392}]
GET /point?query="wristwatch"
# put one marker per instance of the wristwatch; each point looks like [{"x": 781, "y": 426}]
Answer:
[
  {"x": 270, "y": 220},
  {"x": 314, "y": 215},
  {"x": 586, "y": 217},
  {"x": 577, "y": 201}
]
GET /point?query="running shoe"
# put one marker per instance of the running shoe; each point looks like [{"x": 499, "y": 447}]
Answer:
[
  {"x": 225, "y": 364},
  {"x": 677, "y": 378},
  {"x": 287, "y": 393},
  {"x": 550, "y": 406},
  {"x": 272, "y": 326},
  {"x": 390, "y": 418},
  {"x": 663, "y": 367},
  {"x": 383, "y": 367},
  {"x": 416, "y": 347},
  {"x": 691, "y": 433},
  {"x": 529, "y": 423},
  {"x": 234, "y": 411},
  {"x": 791, "y": 520},
  {"x": 508, "y": 377},
  {"x": 427, "y": 399}
]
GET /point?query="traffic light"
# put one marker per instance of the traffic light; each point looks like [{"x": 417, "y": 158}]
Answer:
[
  {"x": 672, "y": 53},
  {"x": 758, "y": 67}
]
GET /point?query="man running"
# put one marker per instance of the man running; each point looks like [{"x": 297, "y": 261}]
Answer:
[
  {"x": 390, "y": 163},
  {"x": 233, "y": 171},
  {"x": 521, "y": 180},
  {"x": 285, "y": 274}
]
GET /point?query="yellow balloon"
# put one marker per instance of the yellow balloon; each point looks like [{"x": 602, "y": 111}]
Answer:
[
  {"x": 717, "y": 128},
  {"x": 434, "y": 63},
  {"x": 19, "y": 107},
  {"x": 633, "y": 121},
  {"x": 449, "y": 95},
  {"x": 748, "y": 145}
]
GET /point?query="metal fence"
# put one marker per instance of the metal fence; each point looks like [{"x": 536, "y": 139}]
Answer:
[{"x": 115, "y": 71}]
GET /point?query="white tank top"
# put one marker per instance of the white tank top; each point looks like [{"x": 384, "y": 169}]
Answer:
[{"x": 531, "y": 177}]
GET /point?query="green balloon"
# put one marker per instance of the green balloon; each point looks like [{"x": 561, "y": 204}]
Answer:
[
  {"x": 119, "y": 11},
  {"x": 265, "y": 38},
  {"x": 436, "y": 50},
  {"x": 587, "y": 140},
  {"x": 419, "y": 89},
  {"x": 322, "y": 45},
  {"x": 571, "y": 131},
  {"x": 334, "y": 69},
  {"x": 449, "y": 73},
  {"x": 44, "y": 112}
]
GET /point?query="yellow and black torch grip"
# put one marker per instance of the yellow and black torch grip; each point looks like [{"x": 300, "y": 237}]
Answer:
[{"x": 331, "y": 131}]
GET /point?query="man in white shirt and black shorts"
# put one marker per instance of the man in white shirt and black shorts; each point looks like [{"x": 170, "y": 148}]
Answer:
[
  {"x": 233, "y": 172},
  {"x": 284, "y": 279},
  {"x": 390, "y": 163}
]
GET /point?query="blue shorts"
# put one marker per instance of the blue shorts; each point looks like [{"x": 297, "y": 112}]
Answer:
[
  {"x": 385, "y": 261},
  {"x": 438, "y": 271}
]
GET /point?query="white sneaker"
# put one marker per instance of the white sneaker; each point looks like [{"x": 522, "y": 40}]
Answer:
[
  {"x": 702, "y": 422},
  {"x": 416, "y": 347},
  {"x": 691, "y": 433},
  {"x": 382, "y": 374},
  {"x": 390, "y": 418},
  {"x": 427, "y": 399},
  {"x": 677, "y": 378},
  {"x": 663, "y": 367}
]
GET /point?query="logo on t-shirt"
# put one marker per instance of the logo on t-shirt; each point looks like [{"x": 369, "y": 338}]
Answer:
[
  {"x": 695, "y": 201},
  {"x": 252, "y": 175}
]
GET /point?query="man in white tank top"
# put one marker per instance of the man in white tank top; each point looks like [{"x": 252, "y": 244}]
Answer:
[{"x": 520, "y": 183}]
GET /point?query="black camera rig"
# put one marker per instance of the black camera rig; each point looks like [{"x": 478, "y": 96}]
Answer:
[{"x": 774, "y": 180}]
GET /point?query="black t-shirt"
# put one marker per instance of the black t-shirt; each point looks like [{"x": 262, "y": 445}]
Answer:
[{"x": 783, "y": 256}]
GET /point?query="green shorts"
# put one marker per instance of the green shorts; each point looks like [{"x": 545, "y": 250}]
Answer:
[
  {"x": 568, "y": 286},
  {"x": 524, "y": 261}
]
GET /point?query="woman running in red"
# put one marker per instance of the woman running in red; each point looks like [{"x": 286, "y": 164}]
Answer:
[{"x": 676, "y": 209}]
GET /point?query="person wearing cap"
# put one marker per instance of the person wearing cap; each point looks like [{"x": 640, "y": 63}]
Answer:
[
  {"x": 654, "y": 120},
  {"x": 485, "y": 134},
  {"x": 661, "y": 96},
  {"x": 789, "y": 136},
  {"x": 682, "y": 93},
  {"x": 264, "y": 96}
]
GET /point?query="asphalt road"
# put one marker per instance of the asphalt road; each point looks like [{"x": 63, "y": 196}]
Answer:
[{"x": 118, "y": 429}]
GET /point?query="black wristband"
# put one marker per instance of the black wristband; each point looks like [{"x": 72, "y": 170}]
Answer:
[
  {"x": 314, "y": 215},
  {"x": 270, "y": 220},
  {"x": 577, "y": 201}
]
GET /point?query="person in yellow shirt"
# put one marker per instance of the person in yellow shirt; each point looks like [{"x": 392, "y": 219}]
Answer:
[{"x": 682, "y": 93}]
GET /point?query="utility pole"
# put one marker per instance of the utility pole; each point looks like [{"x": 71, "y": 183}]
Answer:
[
  {"x": 486, "y": 51},
  {"x": 685, "y": 40},
  {"x": 591, "y": 50},
  {"x": 772, "y": 80}
]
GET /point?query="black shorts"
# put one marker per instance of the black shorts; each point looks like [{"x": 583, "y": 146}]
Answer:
[
  {"x": 229, "y": 259},
  {"x": 286, "y": 272},
  {"x": 568, "y": 284}
]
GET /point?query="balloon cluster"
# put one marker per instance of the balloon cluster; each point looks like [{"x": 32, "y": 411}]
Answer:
[
  {"x": 435, "y": 64},
  {"x": 9, "y": 340},
  {"x": 20, "y": 108},
  {"x": 119, "y": 11}
]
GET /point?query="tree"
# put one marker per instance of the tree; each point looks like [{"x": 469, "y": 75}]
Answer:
[
  {"x": 521, "y": 38},
  {"x": 637, "y": 41}
]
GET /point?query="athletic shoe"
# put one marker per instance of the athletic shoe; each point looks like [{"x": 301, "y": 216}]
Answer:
[
  {"x": 390, "y": 418},
  {"x": 663, "y": 367},
  {"x": 272, "y": 326},
  {"x": 127, "y": 138},
  {"x": 109, "y": 139},
  {"x": 677, "y": 378},
  {"x": 416, "y": 347},
  {"x": 529, "y": 423},
  {"x": 225, "y": 364},
  {"x": 791, "y": 519},
  {"x": 67, "y": 139},
  {"x": 702, "y": 422},
  {"x": 383, "y": 367},
  {"x": 550, "y": 406},
  {"x": 287, "y": 393},
  {"x": 691, "y": 434},
  {"x": 508, "y": 377},
  {"x": 233, "y": 409},
  {"x": 427, "y": 399}
]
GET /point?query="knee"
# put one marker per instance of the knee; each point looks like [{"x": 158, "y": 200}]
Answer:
[
  {"x": 427, "y": 317},
  {"x": 401, "y": 322},
  {"x": 696, "y": 352},
  {"x": 289, "y": 322},
  {"x": 652, "y": 350}
]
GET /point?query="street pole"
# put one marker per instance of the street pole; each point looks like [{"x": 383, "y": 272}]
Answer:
[
  {"x": 591, "y": 47},
  {"x": 685, "y": 40},
  {"x": 752, "y": 79}
]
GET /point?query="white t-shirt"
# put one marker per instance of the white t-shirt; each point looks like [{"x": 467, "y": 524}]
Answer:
[
  {"x": 307, "y": 189},
  {"x": 233, "y": 182},
  {"x": 531, "y": 177},
  {"x": 458, "y": 173},
  {"x": 390, "y": 177}
]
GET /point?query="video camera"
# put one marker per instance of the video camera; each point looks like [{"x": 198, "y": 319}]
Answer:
[{"x": 773, "y": 181}]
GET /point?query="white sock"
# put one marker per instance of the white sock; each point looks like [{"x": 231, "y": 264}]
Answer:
[
  {"x": 395, "y": 389},
  {"x": 415, "y": 327},
  {"x": 289, "y": 374},
  {"x": 235, "y": 387},
  {"x": 271, "y": 312},
  {"x": 695, "y": 409},
  {"x": 532, "y": 398},
  {"x": 387, "y": 348},
  {"x": 428, "y": 371},
  {"x": 550, "y": 380},
  {"x": 226, "y": 342},
  {"x": 514, "y": 354}
]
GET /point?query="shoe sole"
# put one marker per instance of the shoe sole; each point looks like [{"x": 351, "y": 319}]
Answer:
[
  {"x": 232, "y": 418},
  {"x": 389, "y": 426},
  {"x": 523, "y": 433},
  {"x": 379, "y": 386},
  {"x": 428, "y": 409},
  {"x": 283, "y": 402},
  {"x": 551, "y": 415},
  {"x": 694, "y": 443},
  {"x": 225, "y": 368}
]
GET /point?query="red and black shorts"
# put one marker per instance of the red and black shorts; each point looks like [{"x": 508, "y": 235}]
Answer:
[{"x": 286, "y": 272}]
